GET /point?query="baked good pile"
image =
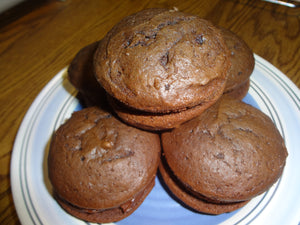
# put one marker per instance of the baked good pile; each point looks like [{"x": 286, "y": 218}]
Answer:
[{"x": 163, "y": 89}]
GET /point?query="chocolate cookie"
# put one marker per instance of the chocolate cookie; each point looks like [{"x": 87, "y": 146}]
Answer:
[
  {"x": 240, "y": 91},
  {"x": 101, "y": 169},
  {"x": 163, "y": 61},
  {"x": 155, "y": 121},
  {"x": 198, "y": 203},
  {"x": 242, "y": 65},
  {"x": 81, "y": 75},
  {"x": 232, "y": 152},
  {"x": 106, "y": 216}
]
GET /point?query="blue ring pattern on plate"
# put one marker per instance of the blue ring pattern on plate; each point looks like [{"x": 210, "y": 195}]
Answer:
[
  {"x": 58, "y": 122},
  {"x": 283, "y": 84},
  {"x": 22, "y": 169},
  {"x": 26, "y": 195}
]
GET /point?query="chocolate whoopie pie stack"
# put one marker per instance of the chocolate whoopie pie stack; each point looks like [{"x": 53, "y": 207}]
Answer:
[
  {"x": 229, "y": 154},
  {"x": 163, "y": 77},
  {"x": 81, "y": 75},
  {"x": 242, "y": 65},
  {"x": 162, "y": 67},
  {"x": 100, "y": 168}
]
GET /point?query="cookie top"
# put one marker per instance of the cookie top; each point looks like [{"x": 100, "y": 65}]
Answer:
[
  {"x": 96, "y": 161},
  {"x": 231, "y": 152},
  {"x": 161, "y": 60},
  {"x": 81, "y": 75},
  {"x": 241, "y": 57}
]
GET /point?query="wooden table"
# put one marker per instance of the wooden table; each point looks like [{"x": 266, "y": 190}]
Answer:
[{"x": 40, "y": 38}]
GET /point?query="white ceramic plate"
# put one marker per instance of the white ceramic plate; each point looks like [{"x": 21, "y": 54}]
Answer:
[{"x": 270, "y": 90}]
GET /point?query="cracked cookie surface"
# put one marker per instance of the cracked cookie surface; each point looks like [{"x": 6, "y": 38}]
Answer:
[
  {"x": 97, "y": 162},
  {"x": 231, "y": 152},
  {"x": 161, "y": 60}
]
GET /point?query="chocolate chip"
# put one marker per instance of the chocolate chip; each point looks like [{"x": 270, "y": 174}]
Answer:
[
  {"x": 164, "y": 24},
  {"x": 236, "y": 46},
  {"x": 200, "y": 39},
  {"x": 127, "y": 43},
  {"x": 220, "y": 156},
  {"x": 164, "y": 59},
  {"x": 167, "y": 87},
  {"x": 151, "y": 36}
]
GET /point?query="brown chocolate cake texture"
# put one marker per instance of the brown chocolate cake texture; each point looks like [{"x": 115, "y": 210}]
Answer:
[
  {"x": 229, "y": 154},
  {"x": 163, "y": 77}
]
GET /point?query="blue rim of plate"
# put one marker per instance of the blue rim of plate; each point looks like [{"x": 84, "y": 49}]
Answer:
[{"x": 19, "y": 180}]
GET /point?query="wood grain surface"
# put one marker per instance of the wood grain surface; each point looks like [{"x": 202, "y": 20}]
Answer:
[{"x": 39, "y": 38}]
